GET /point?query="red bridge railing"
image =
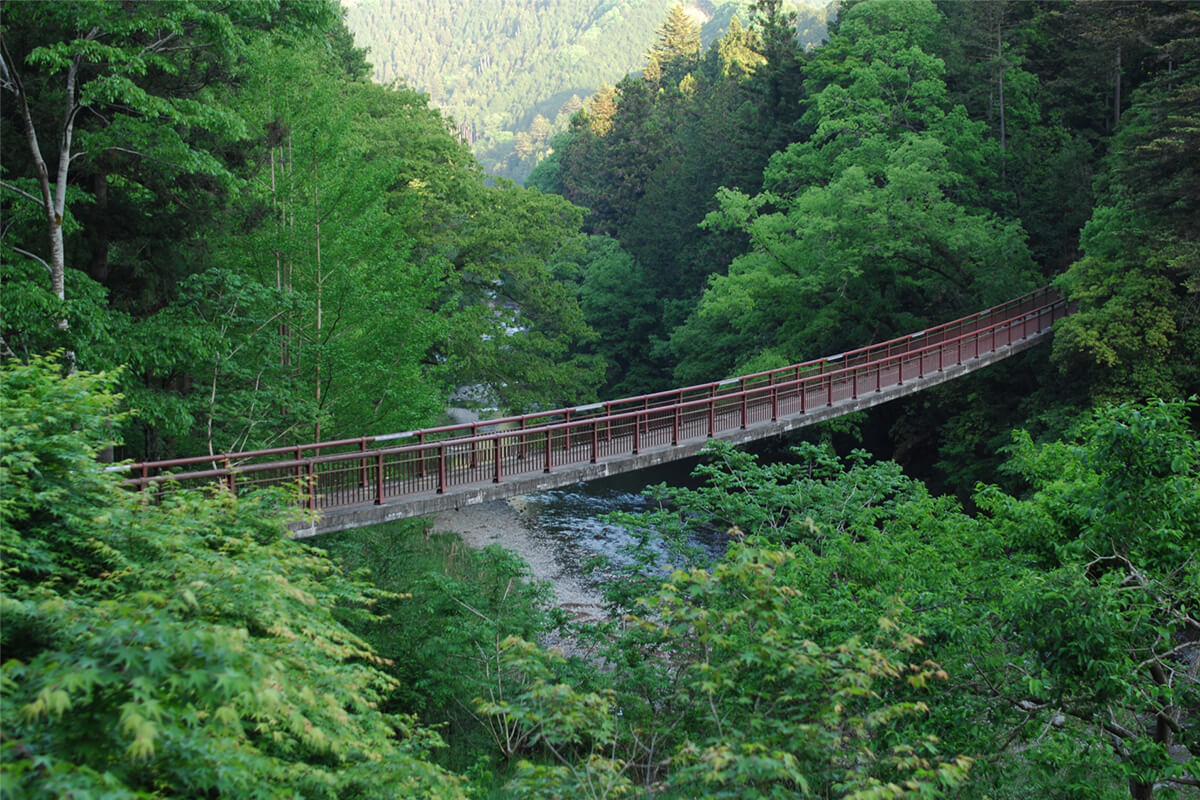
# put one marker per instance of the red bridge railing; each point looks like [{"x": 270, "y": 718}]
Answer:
[{"x": 382, "y": 469}]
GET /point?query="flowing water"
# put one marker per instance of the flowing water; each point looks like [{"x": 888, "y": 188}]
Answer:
[
  {"x": 560, "y": 531},
  {"x": 571, "y": 517}
]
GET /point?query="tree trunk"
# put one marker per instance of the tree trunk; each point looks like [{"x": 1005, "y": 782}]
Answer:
[
  {"x": 1000, "y": 79},
  {"x": 98, "y": 234},
  {"x": 320, "y": 282},
  {"x": 1117, "y": 93},
  {"x": 53, "y": 196}
]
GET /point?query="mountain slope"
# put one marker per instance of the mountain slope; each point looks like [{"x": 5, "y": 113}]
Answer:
[{"x": 496, "y": 66}]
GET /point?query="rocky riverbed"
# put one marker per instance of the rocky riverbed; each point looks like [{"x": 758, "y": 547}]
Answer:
[{"x": 508, "y": 524}]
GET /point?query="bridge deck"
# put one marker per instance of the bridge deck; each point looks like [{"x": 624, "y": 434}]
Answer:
[{"x": 444, "y": 468}]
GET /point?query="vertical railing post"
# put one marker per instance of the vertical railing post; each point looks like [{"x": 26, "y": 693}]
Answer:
[
  {"x": 608, "y": 426},
  {"x": 803, "y": 397},
  {"x": 379, "y": 479},
  {"x": 745, "y": 405},
  {"x": 567, "y": 434},
  {"x": 441, "y": 459},
  {"x": 229, "y": 478},
  {"x": 854, "y": 385},
  {"x": 474, "y": 446},
  {"x": 362, "y": 464},
  {"x": 524, "y": 440},
  {"x": 828, "y": 390},
  {"x": 498, "y": 444},
  {"x": 637, "y": 433},
  {"x": 941, "y": 349},
  {"x": 712, "y": 413},
  {"x": 900, "y": 371},
  {"x": 774, "y": 397},
  {"x": 299, "y": 454},
  {"x": 595, "y": 441},
  {"x": 549, "y": 450},
  {"x": 312, "y": 485},
  {"x": 421, "y": 460},
  {"x": 675, "y": 422}
]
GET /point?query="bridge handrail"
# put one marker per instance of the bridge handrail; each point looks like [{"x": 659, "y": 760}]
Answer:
[
  {"x": 612, "y": 419},
  {"x": 659, "y": 399}
]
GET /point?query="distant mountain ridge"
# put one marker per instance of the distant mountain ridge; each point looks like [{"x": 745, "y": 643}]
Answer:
[{"x": 511, "y": 72}]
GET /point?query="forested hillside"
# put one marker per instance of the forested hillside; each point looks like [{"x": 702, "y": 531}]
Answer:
[
  {"x": 217, "y": 233},
  {"x": 269, "y": 246},
  {"x": 510, "y": 73},
  {"x": 760, "y": 204}
]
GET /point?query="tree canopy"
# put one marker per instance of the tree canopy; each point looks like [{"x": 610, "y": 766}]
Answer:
[{"x": 215, "y": 234}]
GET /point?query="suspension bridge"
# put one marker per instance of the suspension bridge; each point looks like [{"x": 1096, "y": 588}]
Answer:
[{"x": 352, "y": 483}]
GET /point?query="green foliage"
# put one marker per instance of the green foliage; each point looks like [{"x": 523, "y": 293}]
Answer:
[
  {"x": 646, "y": 158},
  {"x": 624, "y": 316},
  {"x": 463, "y": 56},
  {"x": 184, "y": 646},
  {"x": 526, "y": 706},
  {"x": 97, "y": 91},
  {"x": 1104, "y": 614},
  {"x": 300, "y": 259},
  {"x": 443, "y": 630},
  {"x": 1137, "y": 282},
  {"x": 720, "y": 690},
  {"x": 866, "y": 227},
  {"x": 352, "y": 330},
  {"x": 784, "y": 715},
  {"x": 1065, "y": 621},
  {"x": 676, "y": 49}
]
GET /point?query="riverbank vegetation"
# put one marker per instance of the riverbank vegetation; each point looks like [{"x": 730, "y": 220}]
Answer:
[
  {"x": 217, "y": 234},
  {"x": 860, "y": 637}
]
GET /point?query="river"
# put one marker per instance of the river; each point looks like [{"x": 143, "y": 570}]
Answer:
[{"x": 559, "y": 531}]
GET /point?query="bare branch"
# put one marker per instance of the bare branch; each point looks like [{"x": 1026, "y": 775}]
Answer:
[
  {"x": 22, "y": 192},
  {"x": 12, "y": 78},
  {"x": 36, "y": 258},
  {"x": 477, "y": 613},
  {"x": 1157, "y": 658},
  {"x": 155, "y": 47}
]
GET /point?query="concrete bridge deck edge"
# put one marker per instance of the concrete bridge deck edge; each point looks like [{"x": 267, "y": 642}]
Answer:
[{"x": 359, "y": 516}]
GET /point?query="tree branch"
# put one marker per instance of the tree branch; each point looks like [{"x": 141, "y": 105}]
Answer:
[
  {"x": 22, "y": 192},
  {"x": 156, "y": 47},
  {"x": 36, "y": 258}
]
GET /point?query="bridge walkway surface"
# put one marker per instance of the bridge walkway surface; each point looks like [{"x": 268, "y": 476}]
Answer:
[{"x": 357, "y": 482}]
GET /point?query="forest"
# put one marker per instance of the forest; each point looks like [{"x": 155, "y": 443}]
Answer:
[
  {"x": 217, "y": 233},
  {"x": 512, "y": 74}
]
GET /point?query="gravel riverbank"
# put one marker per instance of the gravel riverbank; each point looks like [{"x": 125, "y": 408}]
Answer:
[{"x": 504, "y": 523}]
